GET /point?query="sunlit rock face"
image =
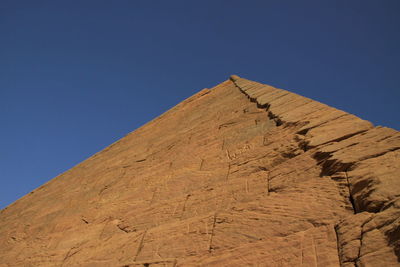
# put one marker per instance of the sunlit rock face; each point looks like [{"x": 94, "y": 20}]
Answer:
[{"x": 243, "y": 174}]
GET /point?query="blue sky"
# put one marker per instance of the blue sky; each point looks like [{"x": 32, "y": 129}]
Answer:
[{"x": 75, "y": 76}]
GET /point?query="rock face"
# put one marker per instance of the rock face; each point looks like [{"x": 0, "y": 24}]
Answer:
[{"x": 237, "y": 175}]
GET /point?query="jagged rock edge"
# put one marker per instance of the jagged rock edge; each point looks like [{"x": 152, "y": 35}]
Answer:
[{"x": 326, "y": 165}]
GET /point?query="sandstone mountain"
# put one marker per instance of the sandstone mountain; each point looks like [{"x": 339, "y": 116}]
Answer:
[{"x": 243, "y": 174}]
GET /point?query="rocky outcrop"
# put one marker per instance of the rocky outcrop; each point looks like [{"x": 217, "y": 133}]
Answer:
[
  {"x": 366, "y": 157},
  {"x": 240, "y": 174}
]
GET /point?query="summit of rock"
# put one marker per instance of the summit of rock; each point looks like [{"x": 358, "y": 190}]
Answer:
[{"x": 237, "y": 175}]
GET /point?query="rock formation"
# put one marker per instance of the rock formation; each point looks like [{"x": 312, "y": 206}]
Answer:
[{"x": 243, "y": 174}]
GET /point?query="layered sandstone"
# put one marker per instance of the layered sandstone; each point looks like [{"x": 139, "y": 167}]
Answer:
[{"x": 240, "y": 174}]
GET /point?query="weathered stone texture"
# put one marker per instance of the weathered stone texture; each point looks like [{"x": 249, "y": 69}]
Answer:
[
  {"x": 348, "y": 150},
  {"x": 237, "y": 175}
]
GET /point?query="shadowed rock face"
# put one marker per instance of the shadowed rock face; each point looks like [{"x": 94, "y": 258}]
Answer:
[{"x": 240, "y": 174}]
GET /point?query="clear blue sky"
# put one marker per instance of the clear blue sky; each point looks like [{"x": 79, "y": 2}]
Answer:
[{"x": 76, "y": 76}]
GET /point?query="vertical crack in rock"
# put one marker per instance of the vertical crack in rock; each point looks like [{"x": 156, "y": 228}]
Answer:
[
  {"x": 338, "y": 247},
  {"x": 210, "y": 248},
  {"x": 357, "y": 260},
  {"x": 350, "y": 193}
]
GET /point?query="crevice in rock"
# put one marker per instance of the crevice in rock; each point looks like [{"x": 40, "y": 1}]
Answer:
[
  {"x": 268, "y": 184},
  {"x": 306, "y": 130},
  {"x": 276, "y": 119},
  {"x": 332, "y": 166},
  {"x": 393, "y": 236},
  {"x": 350, "y": 194},
  {"x": 357, "y": 260},
  {"x": 390, "y": 203},
  {"x": 338, "y": 139},
  {"x": 301, "y": 144},
  {"x": 338, "y": 245},
  {"x": 379, "y": 154}
]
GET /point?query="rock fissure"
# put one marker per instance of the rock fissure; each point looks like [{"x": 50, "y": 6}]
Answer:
[{"x": 350, "y": 193}]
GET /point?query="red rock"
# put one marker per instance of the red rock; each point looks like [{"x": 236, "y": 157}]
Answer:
[{"x": 219, "y": 180}]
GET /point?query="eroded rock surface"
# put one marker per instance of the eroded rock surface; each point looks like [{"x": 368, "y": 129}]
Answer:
[{"x": 237, "y": 175}]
